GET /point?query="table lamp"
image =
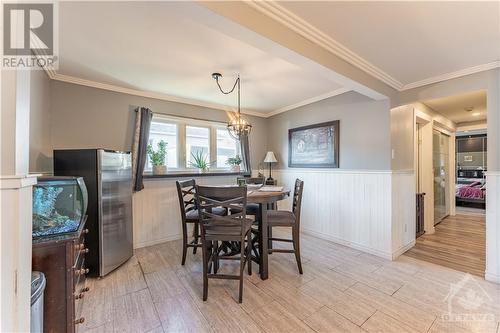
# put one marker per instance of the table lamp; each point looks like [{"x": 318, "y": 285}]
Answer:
[{"x": 270, "y": 158}]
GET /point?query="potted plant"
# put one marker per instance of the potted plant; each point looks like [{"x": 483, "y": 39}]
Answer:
[
  {"x": 158, "y": 158},
  {"x": 200, "y": 161},
  {"x": 234, "y": 163}
]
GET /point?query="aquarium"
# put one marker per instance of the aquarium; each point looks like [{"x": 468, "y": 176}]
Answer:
[{"x": 59, "y": 205}]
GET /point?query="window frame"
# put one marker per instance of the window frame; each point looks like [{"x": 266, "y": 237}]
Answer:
[{"x": 182, "y": 158}]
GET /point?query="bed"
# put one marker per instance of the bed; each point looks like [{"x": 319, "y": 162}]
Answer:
[{"x": 470, "y": 191}]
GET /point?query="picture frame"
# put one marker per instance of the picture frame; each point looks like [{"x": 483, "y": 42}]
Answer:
[{"x": 314, "y": 146}]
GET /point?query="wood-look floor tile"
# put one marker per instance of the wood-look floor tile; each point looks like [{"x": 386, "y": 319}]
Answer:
[
  {"x": 225, "y": 315},
  {"x": 382, "y": 283},
  {"x": 163, "y": 284},
  {"x": 253, "y": 297},
  {"x": 276, "y": 318},
  {"x": 104, "y": 328},
  {"x": 180, "y": 314},
  {"x": 295, "y": 301},
  {"x": 98, "y": 306},
  {"x": 467, "y": 326},
  {"x": 337, "y": 280},
  {"x": 158, "y": 329},
  {"x": 405, "y": 313},
  {"x": 350, "y": 307},
  {"x": 327, "y": 296},
  {"x": 152, "y": 259},
  {"x": 135, "y": 312},
  {"x": 382, "y": 323},
  {"x": 328, "y": 321}
]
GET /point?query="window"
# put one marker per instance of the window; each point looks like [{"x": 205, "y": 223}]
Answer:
[
  {"x": 185, "y": 137},
  {"x": 226, "y": 147},
  {"x": 197, "y": 143},
  {"x": 167, "y": 132}
]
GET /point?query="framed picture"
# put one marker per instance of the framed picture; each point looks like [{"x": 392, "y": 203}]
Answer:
[{"x": 314, "y": 146}]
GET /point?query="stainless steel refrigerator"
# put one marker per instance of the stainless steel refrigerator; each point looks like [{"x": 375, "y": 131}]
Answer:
[{"x": 108, "y": 177}]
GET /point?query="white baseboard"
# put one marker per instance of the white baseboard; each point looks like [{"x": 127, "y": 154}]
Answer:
[
  {"x": 492, "y": 277},
  {"x": 403, "y": 249},
  {"x": 157, "y": 241},
  {"x": 362, "y": 248}
]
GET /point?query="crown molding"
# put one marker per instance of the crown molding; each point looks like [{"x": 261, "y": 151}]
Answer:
[
  {"x": 165, "y": 97},
  {"x": 278, "y": 13},
  {"x": 311, "y": 100},
  {"x": 313, "y": 34},
  {"x": 147, "y": 94},
  {"x": 453, "y": 75}
]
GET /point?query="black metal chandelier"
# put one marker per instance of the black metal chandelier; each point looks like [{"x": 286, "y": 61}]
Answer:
[{"x": 238, "y": 126}]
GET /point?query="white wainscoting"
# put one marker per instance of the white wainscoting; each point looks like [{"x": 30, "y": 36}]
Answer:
[
  {"x": 157, "y": 216},
  {"x": 493, "y": 227},
  {"x": 373, "y": 211},
  {"x": 366, "y": 210},
  {"x": 403, "y": 211}
]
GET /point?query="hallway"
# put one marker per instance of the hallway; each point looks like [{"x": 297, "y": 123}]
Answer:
[{"x": 458, "y": 243}]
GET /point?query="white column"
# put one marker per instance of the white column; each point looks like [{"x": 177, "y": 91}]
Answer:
[
  {"x": 16, "y": 202},
  {"x": 493, "y": 180}
]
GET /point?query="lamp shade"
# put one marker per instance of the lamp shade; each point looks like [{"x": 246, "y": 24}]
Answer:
[{"x": 270, "y": 158}]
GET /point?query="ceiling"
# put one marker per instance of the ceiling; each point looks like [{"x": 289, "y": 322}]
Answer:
[
  {"x": 454, "y": 107},
  {"x": 411, "y": 41},
  {"x": 169, "y": 48}
]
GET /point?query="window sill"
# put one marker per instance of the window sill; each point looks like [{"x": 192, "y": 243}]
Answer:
[{"x": 192, "y": 174}]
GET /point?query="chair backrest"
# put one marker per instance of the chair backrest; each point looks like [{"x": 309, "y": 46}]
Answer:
[
  {"x": 232, "y": 197},
  {"x": 186, "y": 193},
  {"x": 253, "y": 180},
  {"x": 297, "y": 199}
]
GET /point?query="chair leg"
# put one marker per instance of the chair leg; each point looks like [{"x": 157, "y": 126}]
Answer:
[
  {"x": 242, "y": 268},
  {"x": 269, "y": 236},
  {"x": 184, "y": 243},
  {"x": 249, "y": 252},
  {"x": 195, "y": 236},
  {"x": 204, "y": 251},
  {"x": 296, "y": 247},
  {"x": 216, "y": 256}
]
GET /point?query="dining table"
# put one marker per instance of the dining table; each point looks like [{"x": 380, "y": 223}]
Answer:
[{"x": 265, "y": 200}]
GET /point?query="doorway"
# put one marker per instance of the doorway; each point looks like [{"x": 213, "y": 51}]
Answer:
[
  {"x": 441, "y": 172},
  {"x": 450, "y": 165}
]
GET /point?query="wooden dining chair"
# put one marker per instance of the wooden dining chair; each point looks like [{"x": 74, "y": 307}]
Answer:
[
  {"x": 282, "y": 218},
  {"x": 230, "y": 228},
  {"x": 252, "y": 208},
  {"x": 189, "y": 215}
]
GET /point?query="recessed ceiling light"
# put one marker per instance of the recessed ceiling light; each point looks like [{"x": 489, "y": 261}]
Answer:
[{"x": 475, "y": 114}]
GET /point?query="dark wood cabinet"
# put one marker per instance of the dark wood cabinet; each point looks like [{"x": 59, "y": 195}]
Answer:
[{"x": 62, "y": 260}]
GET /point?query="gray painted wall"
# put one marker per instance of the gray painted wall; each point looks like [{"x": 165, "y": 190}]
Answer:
[
  {"x": 365, "y": 139},
  {"x": 84, "y": 117},
  {"x": 40, "y": 160}
]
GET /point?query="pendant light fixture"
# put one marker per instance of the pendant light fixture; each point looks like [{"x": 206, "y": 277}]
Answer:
[{"x": 238, "y": 126}]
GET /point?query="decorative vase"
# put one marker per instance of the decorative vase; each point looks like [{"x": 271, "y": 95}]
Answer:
[
  {"x": 202, "y": 170},
  {"x": 159, "y": 169},
  {"x": 235, "y": 168}
]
